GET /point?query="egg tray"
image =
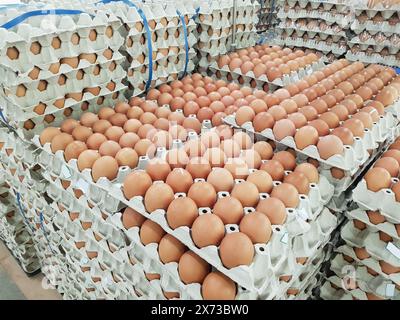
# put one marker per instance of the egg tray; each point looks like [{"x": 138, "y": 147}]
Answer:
[
  {"x": 391, "y": 60},
  {"x": 342, "y": 20},
  {"x": 311, "y": 32},
  {"x": 373, "y": 28},
  {"x": 54, "y": 91},
  {"x": 353, "y": 156},
  {"x": 340, "y": 5},
  {"x": 377, "y": 47},
  {"x": 388, "y": 226},
  {"x": 366, "y": 282},
  {"x": 261, "y": 81},
  {"x": 336, "y": 48},
  {"x": 378, "y": 249},
  {"x": 42, "y": 30},
  {"x": 386, "y": 13},
  {"x": 39, "y": 122}
]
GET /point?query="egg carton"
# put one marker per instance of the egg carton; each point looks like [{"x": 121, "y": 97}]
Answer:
[
  {"x": 342, "y": 19},
  {"x": 327, "y": 5},
  {"x": 373, "y": 28},
  {"x": 373, "y": 57},
  {"x": 393, "y": 48},
  {"x": 40, "y": 31},
  {"x": 378, "y": 249},
  {"x": 353, "y": 156},
  {"x": 38, "y": 123},
  {"x": 311, "y": 32},
  {"x": 386, "y": 13},
  {"x": 336, "y": 48},
  {"x": 389, "y": 226}
]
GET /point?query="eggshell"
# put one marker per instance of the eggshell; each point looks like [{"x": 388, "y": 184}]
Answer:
[
  {"x": 229, "y": 210},
  {"x": 74, "y": 149},
  {"x": 257, "y": 227},
  {"x": 105, "y": 166},
  {"x": 158, "y": 196},
  {"x": 131, "y": 218},
  {"x": 203, "y": 194},
  {"x": 87, "y": 158},
  {"x": 48, "y": 134},
  {"x": 221, "y": 179},
  {"x": 198, "y": 167},
  {"x": 217, "y": 286},
  {"x": 151, "y": 232},
  {"x": 274, "y": 209},
  {"x": 237, "y": 167},
  {"x": 329, "y": 146},
  {"x": 247, "y": 193},
  {"x": 170, "y": 249},
  {"x": 264, "y": 149},
  {"x": 274, "y": 168},
  {"x": 60, "y": 141},
  {"x": 287, "y": 193},
  {"x": 262, "y": 121},
  {"x": 192, "y": 269},
  {"x": 309, "y": 171},
  {"x": 208, "y": 229},
  {"x": 136, "y": 184},
  {"x": 236, "y": 249},
  {"x": 286, "y": 158},
  {"x": 377, "y": 179},
  {"x": 181, "y": 212},
  {"x": 305, "y": 137}
]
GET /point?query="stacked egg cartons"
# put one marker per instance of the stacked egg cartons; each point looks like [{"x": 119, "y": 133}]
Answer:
[
  {"x": 314, "y": 24},
  {"x": 265, "y": 67},
  {"x": 217, "y": 29},
  {"x": 155, "y": 261},
  {"x": 367, "y": 266},
  {"x": 56, "y": 66},
  {"x": 266, "y": 15},
  {"x": 166, "y": 36},
  {"x": 14, "y": 233},
  {"x": 377, "y": 33}
]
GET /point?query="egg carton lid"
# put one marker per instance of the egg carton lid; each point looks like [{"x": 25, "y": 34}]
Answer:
[{"x": 378, "y": 249}]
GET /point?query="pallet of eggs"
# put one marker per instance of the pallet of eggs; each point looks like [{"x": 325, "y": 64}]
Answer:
[
  {"x": 376, "y": 33},
  {"x": 218, "y": 31},
  {"x": 314, "y": 24},
  {"x": 55, "y": 63},
  {"x": 336, "y": 115},
  {"x": 266, "y": 67},
  {"x": 159, "y": 40},
  {"x": 266, "y": 15}
]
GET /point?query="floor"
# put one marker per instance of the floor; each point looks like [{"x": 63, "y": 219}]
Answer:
[{"x": 16, "y": 285}]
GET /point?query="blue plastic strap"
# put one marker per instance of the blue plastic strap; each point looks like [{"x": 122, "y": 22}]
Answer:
[
  {"x": 22, "y": 212},
  {"x": 44, "y": 232},
  {"x": 197, "y": 12},
  {"x": 185, "y": 33},
  {"x": 3, "y": 118},
  {"x": 12, "y": 23},
  {"x": 148, "y": 33},
  {"x": 397, "y": 70}
]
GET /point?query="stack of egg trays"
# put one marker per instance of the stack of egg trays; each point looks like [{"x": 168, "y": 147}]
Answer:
[
  {"x": 332, "y": 11},
  {"x": 371, "y": 51},
  {"x": 109, "y": 197},
  {"x": 262, "y": 83},
  {"x": 49, "y": 66},
  {"x": 215, "y": 29},
  {"x": 266, "y": 15},
  {"x": 168, "y": 58}
]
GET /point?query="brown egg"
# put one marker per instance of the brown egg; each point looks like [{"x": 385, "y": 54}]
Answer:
[
  {"x": 210, "y": 139},
  {"x": 158, "y": 196},
  {"x": 74, "y": 149},
  {"x": 88, "y": 119},
  {"x": 134, "y": 113},
  {"x": 361, "y": 253},
  {"x": 192, "y": 269},
  {"x": 127, "y": 140},
  {"x": 306, "y": 136},
  {"x": 158, "y": 169},
  {"x": 329, "y": 146},
  {"x": 341, "y": 112},
  {"x": 177, "y": 158},
  {"x": 390, "y": 164},
  {"x": 60, "y": 141},
  {"x": 217, "y": 286},
  {"x": 170, "y": 249},
  {"x": 286, "y": 158},
  {"x": 289, "y": 105},
  {"x": 244, "y": 114},
  {"x": 377, "y": 179},
  {"x": 101, "y": 126},
  {"x": 284, "y": 128},
  {"x": 365, "y": 118},
  {"x": 387, "y": 96},
  {"x": 207, "y": 230},
  {"x": 309, "y": 171},
  {"x": 388, "y": 268},
  {"x": 355, "y": 125},
  {"x": 274, "y": 168},
  {"x": 131, "y": 218},
  {"x": 287, "y": 193},
  {"x": 203, "y": 194},
  {"x": 262, "y": 121},
  {"x": 179, "y": 180},
  {"x": 393, "y": 153},
  {"x": 87, "y": 158},
  {"x": 105, "y": 166},
  {"x": 375, "y": 217},
  {"x": 181, "y": 212},
  {"x": 221, "y": 179},
  {"x": 396, "y": 190},
  {"x": 105, "y": 112},
  {"x": 257, "y": 227},
  {"x": 247, "y": 193},
  {"x": 264, "y": 149},
  {"x": 127, "y": 157},
  {"x": 262, "y": 180},
  {"x": 151, "y": 232},
  {"x": 274, "y": 209},
  {"x": 236, "y": 249},
  {"x": 229, "y": 210},
  {"x": 215, "y": 156},
  {"x": 237, "y": 167},
  {"x": 299, "y": 180},
  {"x": 344, "y": 134},
  {"x": 252, "y": 158},
  {"x": 69, "y": 125},
  {"x": 198, "y": 167},
  {"x": 109, "y": 148},
  {"x": 48, "y": 134}
]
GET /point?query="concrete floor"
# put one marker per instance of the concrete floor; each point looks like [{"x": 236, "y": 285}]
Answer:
[{"x": 16, "y": 285}]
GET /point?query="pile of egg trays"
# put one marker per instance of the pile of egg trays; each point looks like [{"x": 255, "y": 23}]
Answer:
[
  {"x": 335, "y": 14},
  {"x": 215, "y": 30},
  {"x": 13, "y": 231},
  {"x": 266, "y": 15},
  {"x": 167, "y": 41},
  {"x": 55, "y": 66},
  {"x": 352, "y": 162},
  {"x": 375, "y": 41}
]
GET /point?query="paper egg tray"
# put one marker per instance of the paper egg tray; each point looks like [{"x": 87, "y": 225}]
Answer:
[
  {"x": 261, "y": 81},
  {"x": 336, "y": 48},
  {"x": 388, "y": 226},
  {"x": 355, "y": 282},
  {"x": 311, "y": 33},
  {"x": 378, "y": 249},
  {"x": 40, "y": 31},
  {"x": 353, "y": 156},
  {"x": 373, "y": 28},
  {"x": 392, "y": 47},
  {"x": 390, "y": 60},
  {"x": 340, "y": 5},
  {"x": 386, "y": 13}
]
